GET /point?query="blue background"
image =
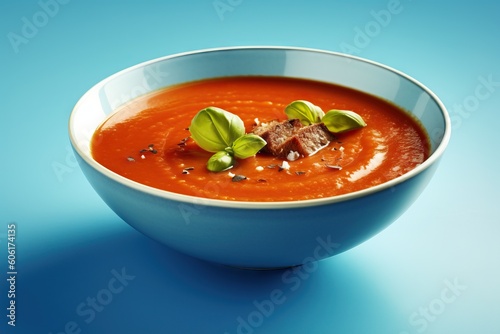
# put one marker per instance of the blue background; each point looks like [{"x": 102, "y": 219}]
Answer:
[{"x": 436, "y": 270}]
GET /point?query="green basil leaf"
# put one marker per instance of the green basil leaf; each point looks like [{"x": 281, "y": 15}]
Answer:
[
  {"x": 220, "y": 161},
  {"x": 342, "y": 120},
  {"x": 214, "y": 129},
  {"x": 247, "y": 145},
  {"x": 305, "y": 111}
]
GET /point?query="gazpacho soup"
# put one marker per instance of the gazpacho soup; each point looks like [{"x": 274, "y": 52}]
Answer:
[{"x": 254, "y": 138}]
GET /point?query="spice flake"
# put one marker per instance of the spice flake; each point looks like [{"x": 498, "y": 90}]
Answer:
[
  {"x": 238, "y": 178},
  {"x": 187, "y": 169},
  {"x": 336, "y": 167}
]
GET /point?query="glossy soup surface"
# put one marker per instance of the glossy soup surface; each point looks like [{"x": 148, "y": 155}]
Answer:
[{"x": 145, "y": 141}]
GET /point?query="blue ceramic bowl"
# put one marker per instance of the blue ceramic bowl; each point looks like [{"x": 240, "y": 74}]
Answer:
[{"x": 258, "y": 234}]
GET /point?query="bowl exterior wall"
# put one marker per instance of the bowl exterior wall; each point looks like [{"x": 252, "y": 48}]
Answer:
[{"x": 254, "y": 238}]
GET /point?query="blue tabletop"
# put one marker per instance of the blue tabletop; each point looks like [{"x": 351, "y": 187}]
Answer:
[{"x": 78, "y": 268}]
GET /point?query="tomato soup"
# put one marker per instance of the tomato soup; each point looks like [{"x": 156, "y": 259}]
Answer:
[{"x": 148, "y": 141}]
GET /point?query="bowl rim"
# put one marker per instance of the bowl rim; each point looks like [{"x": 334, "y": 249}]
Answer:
[{"x": 235, "y": 204}]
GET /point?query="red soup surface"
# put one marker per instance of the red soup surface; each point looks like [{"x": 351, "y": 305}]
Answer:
[{"x": 148, "y": 141}]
